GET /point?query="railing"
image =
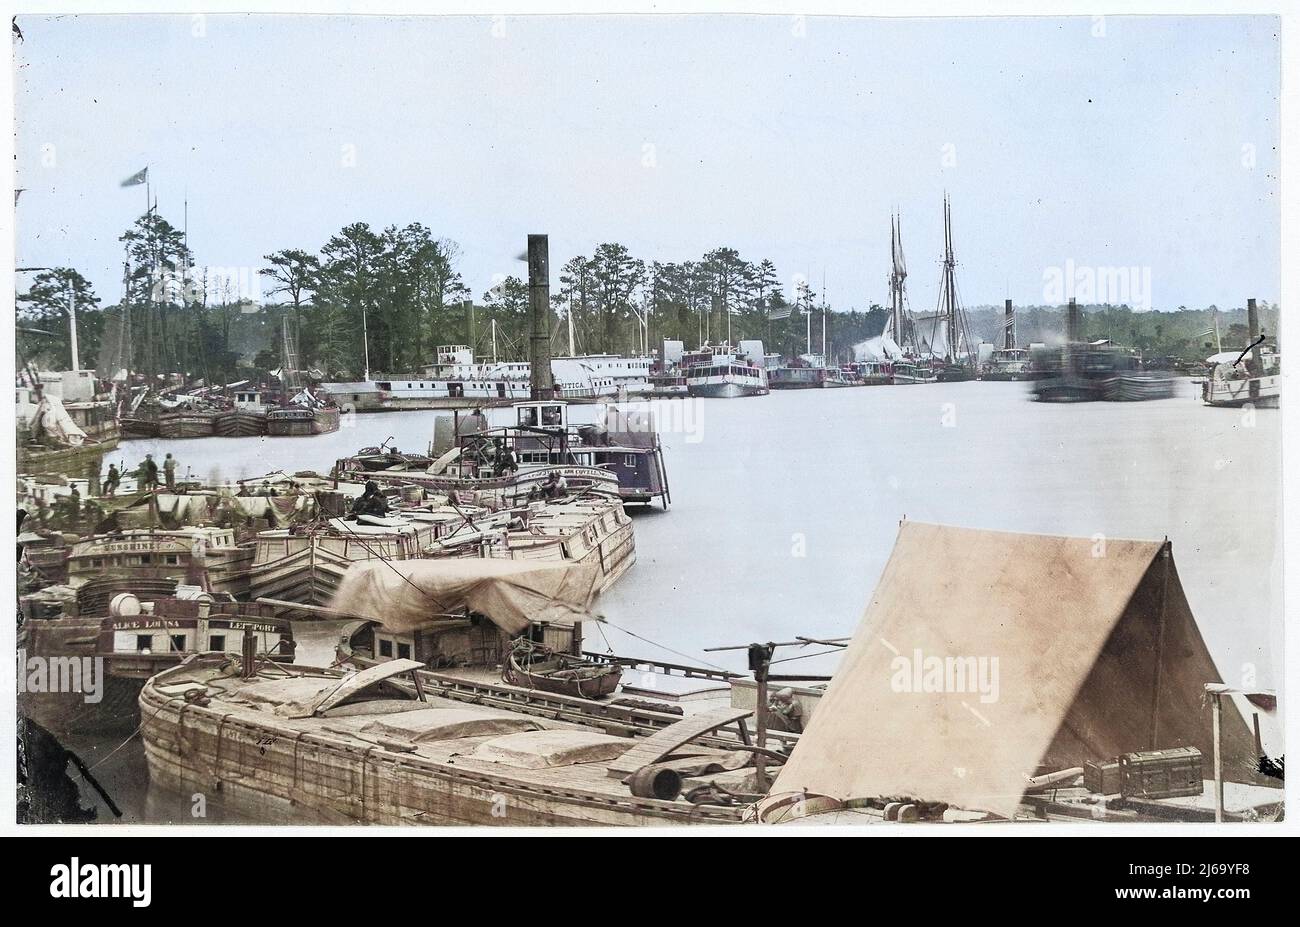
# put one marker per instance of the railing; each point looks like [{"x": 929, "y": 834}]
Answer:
[{"x": 667, "y": 669}]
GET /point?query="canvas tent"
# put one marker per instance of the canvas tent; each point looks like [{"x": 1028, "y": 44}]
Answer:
[
  {"x": 406, "y": 595},
  {"x": 1097, "y": 654}
]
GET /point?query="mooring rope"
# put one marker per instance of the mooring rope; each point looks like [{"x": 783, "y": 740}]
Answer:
[{"x": 604, "y": 620}]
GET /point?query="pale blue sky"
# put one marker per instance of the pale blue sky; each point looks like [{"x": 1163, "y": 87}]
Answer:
[{"x": 1120, "y": 150}]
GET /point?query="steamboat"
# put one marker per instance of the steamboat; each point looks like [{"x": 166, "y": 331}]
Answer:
[
  {"x": 1249, "y": 377},
  {"x": 542, "y": 453},
  {"x": 722, "y": 372}
]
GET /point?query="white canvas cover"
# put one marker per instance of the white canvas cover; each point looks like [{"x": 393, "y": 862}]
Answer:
[
  {"x": 406, "y": 595},
  {"x": 880, "y": 348},
  {"x": 1097, "y": 655},
  {"x": 55, "y": 424}
]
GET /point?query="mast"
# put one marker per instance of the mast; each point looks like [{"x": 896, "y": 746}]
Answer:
[
  {"x": 72, "y": 324},
  {"x": 956, "y": 331},
  {"x": 824, "y": 307},
  {"x": 898, "y": 326},
  {"x": 807, "y": 317},
  {"x": 124, "y": 328},
  {"x": 569, "y": 319},
  {"x": 365, "y": 339},
  {"x": 289, "y": 357}
]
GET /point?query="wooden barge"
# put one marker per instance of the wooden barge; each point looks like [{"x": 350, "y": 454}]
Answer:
[
  {"x": 300, "y": 421},
  {"x": 306, "y": 564},
  {"x": 187, "y": 423},
  {"x": 352, "y": 748},
  {"x": 240, "y": 423}
]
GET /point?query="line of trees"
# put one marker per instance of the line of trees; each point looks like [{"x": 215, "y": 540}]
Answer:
[{"x": 400, "y": 287}]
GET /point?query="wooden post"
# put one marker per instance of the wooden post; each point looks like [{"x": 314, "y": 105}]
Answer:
[
  {"x": 539, "y": 304},
  {"x": 1218, "y": 760},
  {"x": 760, "y": 659},
  {"x": 248, "y": 663}
]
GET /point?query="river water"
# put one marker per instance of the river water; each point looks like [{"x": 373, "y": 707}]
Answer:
[{"x": 785, "y": 509}]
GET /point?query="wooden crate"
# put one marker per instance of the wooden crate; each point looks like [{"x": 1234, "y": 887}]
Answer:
[
  {"x": 1172, "y": 773},
  {"x": 1102, "y": 778}
]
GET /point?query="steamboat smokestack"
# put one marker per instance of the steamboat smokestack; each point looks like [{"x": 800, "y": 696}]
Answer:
[
  {"x": 539, "y": 304},
  {"x": 1072, "y": 322},
  {"x": 1009, "y": 331},
  {"x": 1252, "y": 321}
]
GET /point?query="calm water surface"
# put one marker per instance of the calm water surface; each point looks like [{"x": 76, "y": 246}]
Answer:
[{"x": 785, "y": 509}]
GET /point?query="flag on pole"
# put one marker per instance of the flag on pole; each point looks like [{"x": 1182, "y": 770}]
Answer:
[{"x": 137, "y": 178}]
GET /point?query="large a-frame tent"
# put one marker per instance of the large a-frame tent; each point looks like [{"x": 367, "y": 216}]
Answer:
[{"x": 1097, "y": 654}]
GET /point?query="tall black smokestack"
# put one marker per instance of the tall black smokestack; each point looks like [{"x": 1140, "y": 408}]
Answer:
[
  {"x": 1009, "y": 331},
  {"x": 539, "y": 305},
  {"x": 1252, "y": 322},
  {"x": 1072, "y": 327}
]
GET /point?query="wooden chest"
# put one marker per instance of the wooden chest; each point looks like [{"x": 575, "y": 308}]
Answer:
[
  {"x": 1102, "y": 778},
  {"x": 1171, "y": 773}
]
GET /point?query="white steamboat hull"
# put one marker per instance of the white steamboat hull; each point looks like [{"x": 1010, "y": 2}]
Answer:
[
  {"x": 725, "y": 390},
  {"x": 1255, "y": 391}
]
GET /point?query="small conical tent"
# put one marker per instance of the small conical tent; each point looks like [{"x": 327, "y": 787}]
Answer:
[{"x": 986, "y": 657}]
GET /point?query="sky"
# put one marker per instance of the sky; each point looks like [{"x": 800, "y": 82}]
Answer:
[{"x": 1069, "y": 146}]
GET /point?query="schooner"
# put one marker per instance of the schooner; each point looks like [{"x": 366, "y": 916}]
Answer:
[{"x": 950, "y": 337}]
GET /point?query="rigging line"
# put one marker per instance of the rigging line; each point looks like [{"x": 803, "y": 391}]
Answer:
[
  {"x": 804, "y": 656},
  {"x": 129, "y": 737},
  {"x": 608, "y": 647},
  {"x": 604, "y": 620},
  {"x": 385, "y": 560}
]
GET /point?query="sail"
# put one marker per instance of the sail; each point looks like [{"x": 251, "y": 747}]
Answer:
[
  {"x": 51, "y": 424},
  {"x": 880, "y": 348}
]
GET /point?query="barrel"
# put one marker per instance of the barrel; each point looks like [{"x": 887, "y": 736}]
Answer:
[
  {"x": 662, "y": 782},
  {"x": 124, "y": 605}
]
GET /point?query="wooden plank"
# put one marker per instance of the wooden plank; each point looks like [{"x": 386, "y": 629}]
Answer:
[{"x": 665, "y": 741}]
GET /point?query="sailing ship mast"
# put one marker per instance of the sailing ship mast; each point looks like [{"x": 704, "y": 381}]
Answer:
[
  {"x": 957, "y": 340},
  {"x": 899, "y": 328},
  {"x": 288, "y": 361},
  {"x": 806, "y": 296}
]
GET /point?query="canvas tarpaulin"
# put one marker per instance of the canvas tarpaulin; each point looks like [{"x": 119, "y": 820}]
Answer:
[
  {"x": 1097, "y": 654},
  {"x": 408, "y": 594}
]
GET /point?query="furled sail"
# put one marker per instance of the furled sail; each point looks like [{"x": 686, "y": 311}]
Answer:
[{"x": 51, "y": 424}]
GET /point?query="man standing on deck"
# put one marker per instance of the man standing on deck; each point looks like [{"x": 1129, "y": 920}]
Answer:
[
  {"x": 149, "y": 473},
  {"x": 169, "y": 472},
  {"x": 111, "y": 481}
]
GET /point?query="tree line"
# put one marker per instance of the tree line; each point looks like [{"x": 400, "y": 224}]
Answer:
[{"x": 395, "y": 294}]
